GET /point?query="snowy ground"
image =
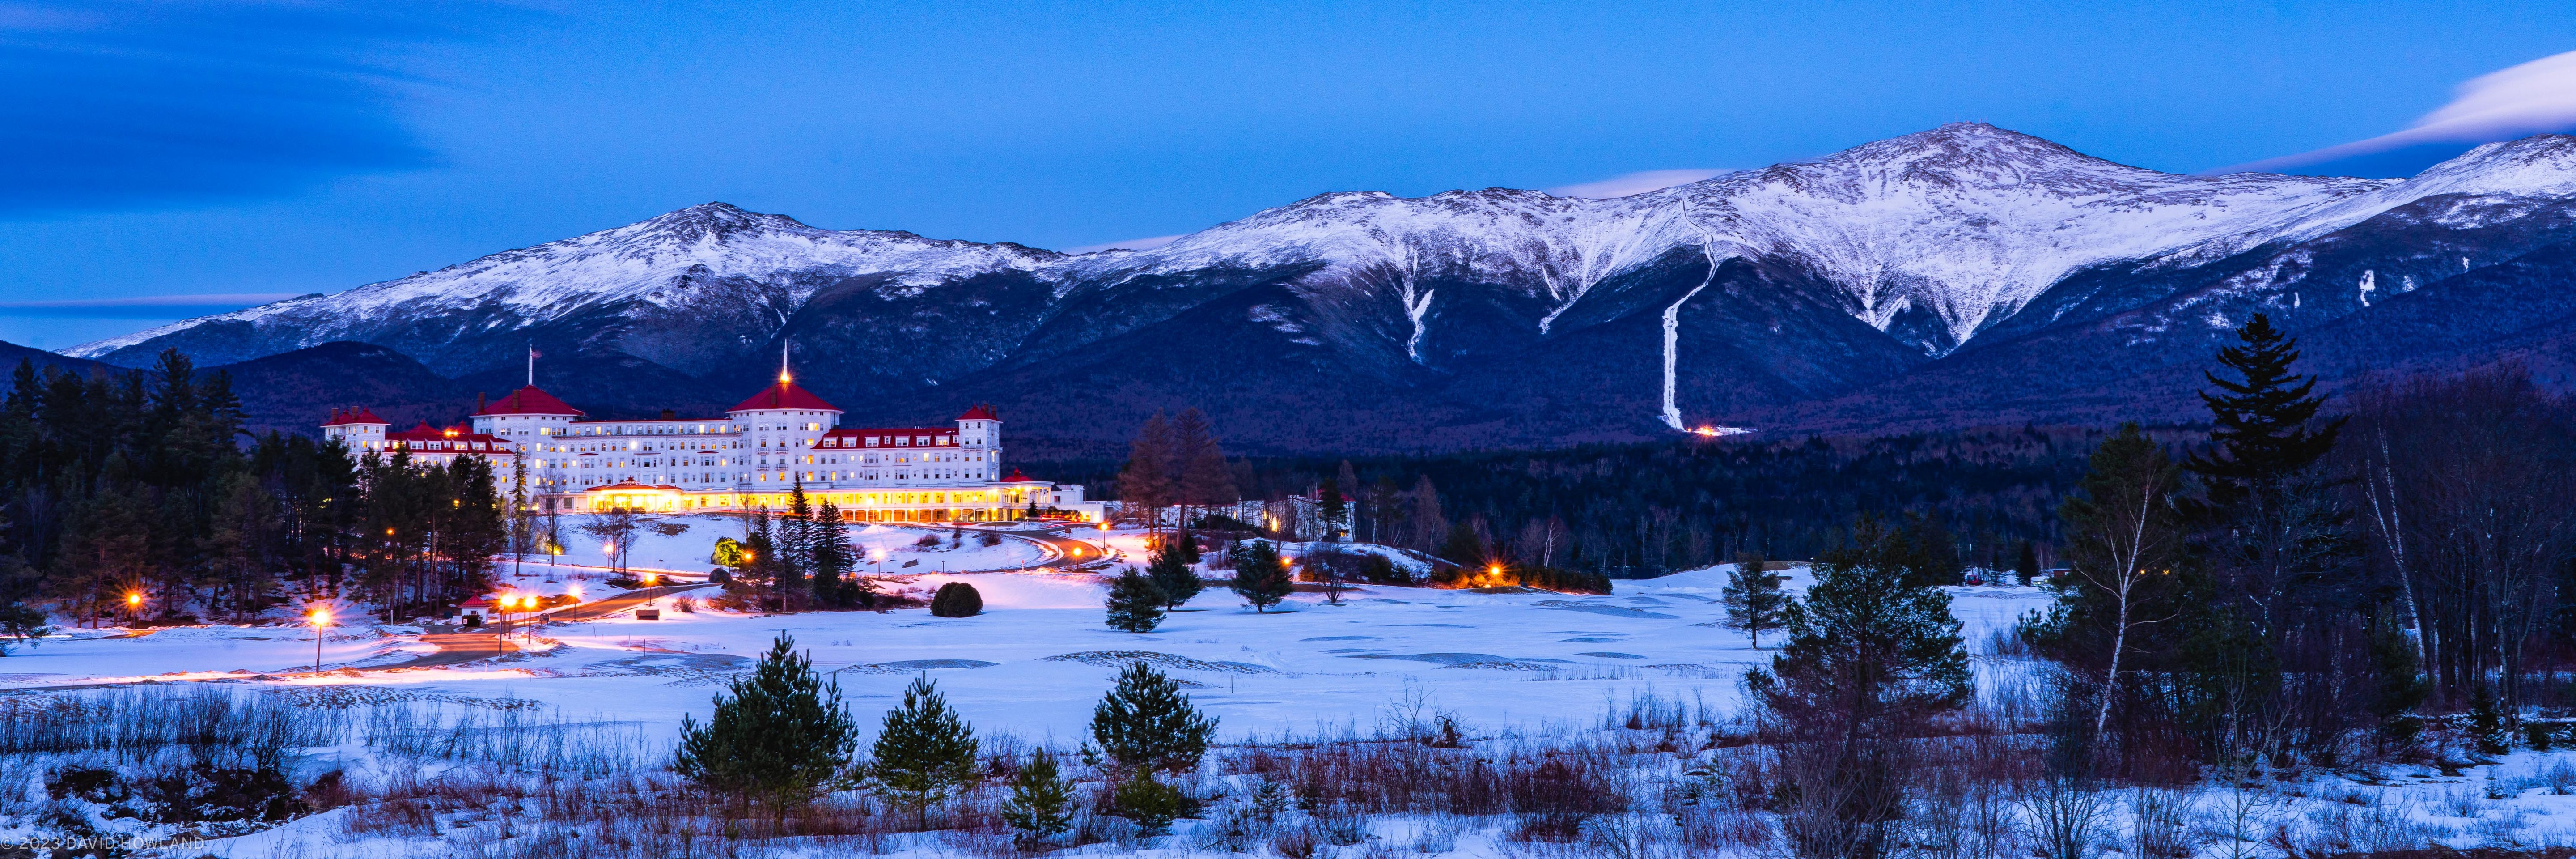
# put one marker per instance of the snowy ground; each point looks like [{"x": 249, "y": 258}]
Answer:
[
  {"x": 1039, "y": 657},
  {"x": 1037, "y": 660}
]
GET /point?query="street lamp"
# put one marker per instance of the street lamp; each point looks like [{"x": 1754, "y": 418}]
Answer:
[
  {"x": 321, "y": 618},
  {"x": 133, "y": 606}
]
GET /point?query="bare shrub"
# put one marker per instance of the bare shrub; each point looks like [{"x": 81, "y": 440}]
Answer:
[
  {"x": 2062, "y": 818},
  {"x": 2156, "y": 824}
]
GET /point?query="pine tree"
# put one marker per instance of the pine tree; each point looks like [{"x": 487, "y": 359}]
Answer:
[
  {"x": 1463, "y": 547},
  {"x": 778, "y": 739},
  {"x": 2026, "y": 567},
  {"x": 835, "y": 560},
  {"x": 1172, "y": 575},
  {"x": 1146, "y": 723},
  {"x": 1868, "y": 661},
  {"x": 1149, "y": 802},
  {"x": 1753, "y": 599},
  {"x": 795, "y": 538},
  {"x": 1332, "y": 507},
  {"x": 923, "y": 752},
  {"x": 2261, "y": 421},
  {"x": 1260, "y": 577},
  {"x": 1135, "y": 604},
  {"x": 1040, "y": 804}
]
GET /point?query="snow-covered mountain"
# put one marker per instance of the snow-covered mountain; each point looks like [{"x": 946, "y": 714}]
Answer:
[{"x": 1753, "y": 290}]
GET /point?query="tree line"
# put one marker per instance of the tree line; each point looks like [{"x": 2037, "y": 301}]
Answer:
[
  {"x": 138, "y": 495},
  {"x": 1643, "y": 509},
  {"x": 2308, "y": 581}
]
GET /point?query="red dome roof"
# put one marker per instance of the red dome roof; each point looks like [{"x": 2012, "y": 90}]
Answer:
[
  {"x": 981, "y": 412},
  {"x": 528, "y": 401},
  {"x": 359, "y": 415},
  {"x": 784, "y": 395},
  {"x": 1017, "y": 477}
]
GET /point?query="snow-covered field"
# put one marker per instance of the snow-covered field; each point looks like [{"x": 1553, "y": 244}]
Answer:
[
  {"x": 1527, "y": 664},
  {"x": 1039, "y": 657}
]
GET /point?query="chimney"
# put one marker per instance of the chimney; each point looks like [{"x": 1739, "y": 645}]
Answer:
[
  {"x": 668, "y": 414},
  {"x": 478, "y": 402}
]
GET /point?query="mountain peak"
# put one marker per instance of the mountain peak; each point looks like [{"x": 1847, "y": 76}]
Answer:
[
  {"x": 716, "y": 221},
  {"x": 2539, "y": 165}
]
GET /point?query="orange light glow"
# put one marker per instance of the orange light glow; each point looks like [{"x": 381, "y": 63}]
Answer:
[
  {"x": 1708, "y": 431},
  {"x": 133, "y": 599},
  {"x": 321, "y": 617}
]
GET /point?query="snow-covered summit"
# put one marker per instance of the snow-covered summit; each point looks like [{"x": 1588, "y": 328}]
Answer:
[
  {"x": 659, "y": 261},
  {"x": 1930, "y": 237}
]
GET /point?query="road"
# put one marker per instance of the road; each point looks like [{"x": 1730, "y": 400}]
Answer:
[
  {"x": 1063, "y": 548},
  {"x": 597, "y": 609}
]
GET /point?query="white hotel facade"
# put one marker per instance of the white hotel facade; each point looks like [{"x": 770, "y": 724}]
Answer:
[{"x": 762, "y": 448}]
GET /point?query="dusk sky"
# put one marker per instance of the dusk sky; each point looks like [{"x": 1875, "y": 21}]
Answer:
[{"x": 165, "y": 160}]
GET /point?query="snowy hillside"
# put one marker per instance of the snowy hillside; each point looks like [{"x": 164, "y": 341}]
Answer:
[{"x": 1732, "y": 297}]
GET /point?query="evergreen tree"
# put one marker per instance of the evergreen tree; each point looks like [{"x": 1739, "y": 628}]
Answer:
[
  {"x": 2271, "y": 524},
  {"x": 1868, "y": 661},
  {"x": 2026, "y": 567},
  {"x": 1149, "y": 802},
  {"x": 1334, "y": 508},
  {"x": 1145, "y": 723},
  {"x": 1040, "y": 806},
  {"x": 1753, "y": 599},
  {"x": 1173, "y": 577},
  {"x": 2262, "y": 421},
  {"x": 835, "y": 581},
  {"x": 1464, "y": 548},
  {"x": 1135, "y": 603},
  {"x": 1260, "y": 577},
  {"x": 795, "y": 538},
  {"x": 778, "y": 739},
  {"x": 924, "y": 751}
]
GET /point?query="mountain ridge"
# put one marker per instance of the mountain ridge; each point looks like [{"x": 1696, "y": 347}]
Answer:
[{"x": 1748, "y": 297}]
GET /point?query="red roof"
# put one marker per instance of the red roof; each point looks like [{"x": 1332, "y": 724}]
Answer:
[
  {"x": 359, "y": 415},
  {"x": 853, "y": 437},
  {"x": 784, "y": 395},
  {"x": 528, "y": 401},
  {"x": 626, "y": 486},
  {"x": 981, "y": 412},
  {"x": 1017, "y": 477},
  {"x": 424, "y": 434}
]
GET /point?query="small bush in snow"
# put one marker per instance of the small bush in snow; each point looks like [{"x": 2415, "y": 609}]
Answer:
[{"x": 956, "y": 599}]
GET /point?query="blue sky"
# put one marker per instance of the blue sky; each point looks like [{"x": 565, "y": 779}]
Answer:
[{"x": 160, "y": 160}]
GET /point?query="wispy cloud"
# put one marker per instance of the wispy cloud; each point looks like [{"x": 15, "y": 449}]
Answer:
[
  {"x": 143, "y": 307},
  {"x": 2537, "y": 97},
  {"x": 1635, "y": 183},
  {"x": 1143, "y": 244},
  {"x": 122, "y": 103}
]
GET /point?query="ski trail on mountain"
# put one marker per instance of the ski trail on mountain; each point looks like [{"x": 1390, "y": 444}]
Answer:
[{"x": 1673, "y": 322}]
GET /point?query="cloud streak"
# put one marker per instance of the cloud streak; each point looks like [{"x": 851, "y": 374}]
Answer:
[
  {"x": 116, "y": 105},
  {"x": 143, "y": 307},
  {"x": 2537, "y": 97},
  {"x": 1635, "y": 183},
  {"x": 1143, "y": 244}
]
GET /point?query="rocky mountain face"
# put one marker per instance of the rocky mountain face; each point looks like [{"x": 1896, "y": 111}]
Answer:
[{"x": 1962, "y": 275}]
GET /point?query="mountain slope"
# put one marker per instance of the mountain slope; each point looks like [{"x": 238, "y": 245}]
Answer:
[{"x": 1963, "y": 272}]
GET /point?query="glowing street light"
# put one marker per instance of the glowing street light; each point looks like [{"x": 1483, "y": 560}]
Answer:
[
  {"x": 320, "y": 618},
  {"x": 133, "y": 606}
]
